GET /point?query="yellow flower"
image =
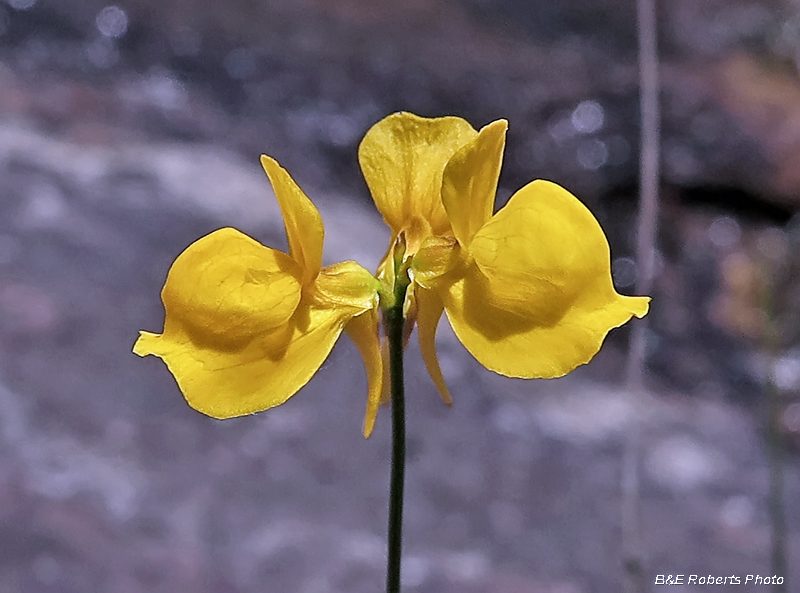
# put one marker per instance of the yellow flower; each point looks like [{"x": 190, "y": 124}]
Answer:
[
  {"x": 247, "y": 326},
  {"x": 528, "y": 290},
  {"x": 402, "y": 158}
]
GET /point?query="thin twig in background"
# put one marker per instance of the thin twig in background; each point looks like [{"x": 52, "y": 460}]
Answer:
[
  {"x": 633, "y": 556},
  {"x": 775, "y": 502},
  {"x": 773, "y": 438}
]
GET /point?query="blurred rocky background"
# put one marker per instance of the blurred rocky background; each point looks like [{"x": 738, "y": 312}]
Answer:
[{"x": 129, "y": 130}]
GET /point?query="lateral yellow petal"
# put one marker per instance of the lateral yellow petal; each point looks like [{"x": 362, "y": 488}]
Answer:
[
  {"x": 430, "y": 310},
  {"x": 363, "y": 330},
  {"x": 535, "y": 351},
  {"x": 541, "y": 252},
  {"x": 469, "y": 182},
  {"x": 402, "y": 158},
  {"x": 226, "y": 288},
  {"x": 537, "y": 299},
  {"x": 264, "y": 373},
  {"x": 301, "y": 218},
  {"x": 146, "y": 343}
]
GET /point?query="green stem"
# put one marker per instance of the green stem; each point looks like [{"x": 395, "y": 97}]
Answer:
[{"x": 394, "y": 329}]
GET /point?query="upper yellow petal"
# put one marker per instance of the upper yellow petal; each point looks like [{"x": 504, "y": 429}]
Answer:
[
  {"x": 402, "y": 158},
  {"x": 469, "y": 183},
  {"x": 536, "y": 298},
  {"x": 304, "y": 229}
]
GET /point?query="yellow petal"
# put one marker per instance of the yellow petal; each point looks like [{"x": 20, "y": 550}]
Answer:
[
  {"x": 438, "y": 259},
  {"x": 541, "y": 252},
  {"x": 402, "y": 158},
  {"x": 430, "y": 310},
  {"x": 347, "y": 284},
  {"x": 363, "y": 330},
  {"x": 268, "y": 370},
  {"x": 225, "y": 288},
  {"x": 304, "y": 229},
  {"x": 469, "y": 183},
  {"x": 537, "y": 299}
]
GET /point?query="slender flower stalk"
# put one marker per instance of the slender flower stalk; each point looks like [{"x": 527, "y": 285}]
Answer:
[
  {"x": 394, "y": 323},
  {"x": 395, "y": 329}
]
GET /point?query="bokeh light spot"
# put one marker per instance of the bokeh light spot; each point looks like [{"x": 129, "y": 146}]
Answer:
[
  {"x": 724, "y": 232},
  {"x": 112, "y": 21},
  {"x": 588, "y": 117},
  {"x": 592, "y": 154},
  {"x": 624, "y": 271}
]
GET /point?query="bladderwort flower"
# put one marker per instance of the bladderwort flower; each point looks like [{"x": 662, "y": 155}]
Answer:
[
  {"x": 246, "y": 326},
  {"x": 527, "y": 290}
]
